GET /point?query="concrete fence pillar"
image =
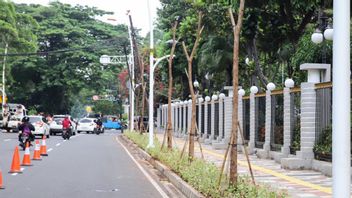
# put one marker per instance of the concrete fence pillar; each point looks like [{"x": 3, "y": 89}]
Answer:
[
  {"x": 221, "y": 116},
  {"x": 308, "y": 114},
  {"x": 206, "y": 124},
  {"x": 189, "y": 116},
  {"x": 158, "y": 119},
  {"x": 213, "y": 99},
  {"x": 180, "y": 129},
  {"x": 162, "y": 115},
  {"x": 266, "y": 146},
  {"x": 305, "y": 156},
  {"x": 285, "y": 150},
  {"x": 176, "y": 118},
  {"x": 241, "y": 93},
  {"x": 228, "y": 118},
  {"x": 200, "y": 101},
  {"x": 251, "y": 144},
  {"x": 184, "y": 128}
]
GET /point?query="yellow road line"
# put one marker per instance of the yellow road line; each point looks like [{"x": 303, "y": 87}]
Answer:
[{"x": 277, "y": 174}]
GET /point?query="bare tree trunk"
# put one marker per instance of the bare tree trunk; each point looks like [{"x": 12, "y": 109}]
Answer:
[
  {"x": 236, "y": 35},
  {"x": 190, "y": 84},
  {"x": 169, "y": 121},
  {"x": 263, "y": 79}
]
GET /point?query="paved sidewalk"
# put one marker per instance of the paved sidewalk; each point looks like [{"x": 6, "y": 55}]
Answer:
[{"x": 297, "y": 183}]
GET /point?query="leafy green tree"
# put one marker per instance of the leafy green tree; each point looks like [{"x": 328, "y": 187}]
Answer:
[
  {"x": 72, "y": 40},
  {"x": 107, "y": 107}
]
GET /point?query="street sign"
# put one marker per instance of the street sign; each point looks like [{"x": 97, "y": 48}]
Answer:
[
  {"x": 88, "y": 109},
  {"x": 95, "y": 97},
  {"x": 1, "y": 99}
]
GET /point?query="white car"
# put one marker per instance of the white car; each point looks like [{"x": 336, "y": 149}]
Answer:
[
  {"x": 13, "y": 123},
  {"x": 56, "y": 124},
  {"x": 40, "y": 125},
  {"x": 88, "y": 125}
]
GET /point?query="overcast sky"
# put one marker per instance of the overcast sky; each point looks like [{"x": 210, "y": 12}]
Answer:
[{"x": 139, "y": 9}]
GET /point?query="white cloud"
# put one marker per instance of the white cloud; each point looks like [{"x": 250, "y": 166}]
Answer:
[{"x": 138, "y": 8}]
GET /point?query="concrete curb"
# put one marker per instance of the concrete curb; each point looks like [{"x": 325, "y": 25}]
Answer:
[{"x": 181, "y": 185}]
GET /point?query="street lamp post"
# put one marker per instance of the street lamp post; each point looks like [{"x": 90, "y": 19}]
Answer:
[
  {"x": 341, "y": 145},
  {"x": 151, "y": 100},
  {"x": 323, "y": 32}
]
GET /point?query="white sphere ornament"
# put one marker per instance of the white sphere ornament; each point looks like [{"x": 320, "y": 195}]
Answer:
[
  {"x": 317, "y": 37},
  {"x": 207, "y": 98},
  {"x": 254, "y": 89},
  {"x": 190, "y": 101},
  {"x": 247, "y": 61},
  {"x": 222, "y": 96},
  {"x": 289, "y": 83},
  {"x": 271, "y": 86},
  {"x": 241, "y": 92},
  {"x": 214, "y": 97},
  {"x": 329, "y": 34},
  {"x": 196, "y": 83},
  {"x": 200, "y": 100}
]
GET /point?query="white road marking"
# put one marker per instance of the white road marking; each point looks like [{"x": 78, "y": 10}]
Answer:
[
  {"x": 156, "y": 185},
  {"x": 50, "y": 149},
  {"x": 58, "y": 144},
  {"x": 14, "y": 174},
  {"x": 6, "y": 140}
]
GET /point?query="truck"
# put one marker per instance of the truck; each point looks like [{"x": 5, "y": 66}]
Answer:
[{"x": 12, "y": 116}]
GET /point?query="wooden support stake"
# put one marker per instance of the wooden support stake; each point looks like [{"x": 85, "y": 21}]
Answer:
[
  {"x": 245, "y": 152},
  {"x": 224, "y": 161},
  {"x": 200, "y": 145}
]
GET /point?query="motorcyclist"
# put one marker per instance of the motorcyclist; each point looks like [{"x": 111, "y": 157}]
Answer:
[
  {"x": 25, "y": 129},
  {"x": 99, "y": 124},
  {"x": 66, "y": 124}
]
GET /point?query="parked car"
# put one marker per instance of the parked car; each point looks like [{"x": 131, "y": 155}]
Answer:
[
  {"x": 88, "y": 125},
  {"x": 40, "y": 125},
  {"x": 56, "y": 124}
]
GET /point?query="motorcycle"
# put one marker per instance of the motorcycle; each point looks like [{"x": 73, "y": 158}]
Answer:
[
  {"x": 66, "y": 134},
  {"x": 98, "y": 130},
  {"x": 23, "y": 141}
]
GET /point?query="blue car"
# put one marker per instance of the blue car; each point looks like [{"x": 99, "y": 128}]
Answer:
[{"x": 109, "y": 124}]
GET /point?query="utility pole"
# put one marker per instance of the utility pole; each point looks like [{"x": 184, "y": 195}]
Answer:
[
  {"x": 131, "y": 68},
  {"x": 141, "y": 66}
]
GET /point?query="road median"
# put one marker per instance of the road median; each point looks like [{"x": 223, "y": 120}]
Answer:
[
  {"x": 180, "y": 184},
  {"x": 195, "y": 178}
]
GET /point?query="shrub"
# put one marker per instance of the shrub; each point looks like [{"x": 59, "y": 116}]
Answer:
[{"x": 203, "y": 176}]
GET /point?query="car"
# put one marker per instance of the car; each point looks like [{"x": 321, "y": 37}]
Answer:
[
  {"x": 56, "y": 124},
  {"x": 40, "y": 125},
  {"x": 88, "y": 125},
  {"x": 111, "y": 122},
  {"x": 13, "y": 124}
]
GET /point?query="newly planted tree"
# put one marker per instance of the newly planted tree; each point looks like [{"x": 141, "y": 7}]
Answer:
[
  {"x": 190, "y": 58},
  {"x": 170, "y": 61},
  {"x": 236, "y": 34}
]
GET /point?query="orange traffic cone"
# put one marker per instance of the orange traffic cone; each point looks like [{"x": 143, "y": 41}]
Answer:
[
  {"x": 1, "y": 185},
  {"x": 43, "y": 147},
  {"x": 27, "y": 156},
  {"x": 15, "y": 166},
  {"x": 36, "y": 155}
]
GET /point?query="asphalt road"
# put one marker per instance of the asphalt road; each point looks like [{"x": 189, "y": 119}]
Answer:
[{"x": 86, "y": 166}]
